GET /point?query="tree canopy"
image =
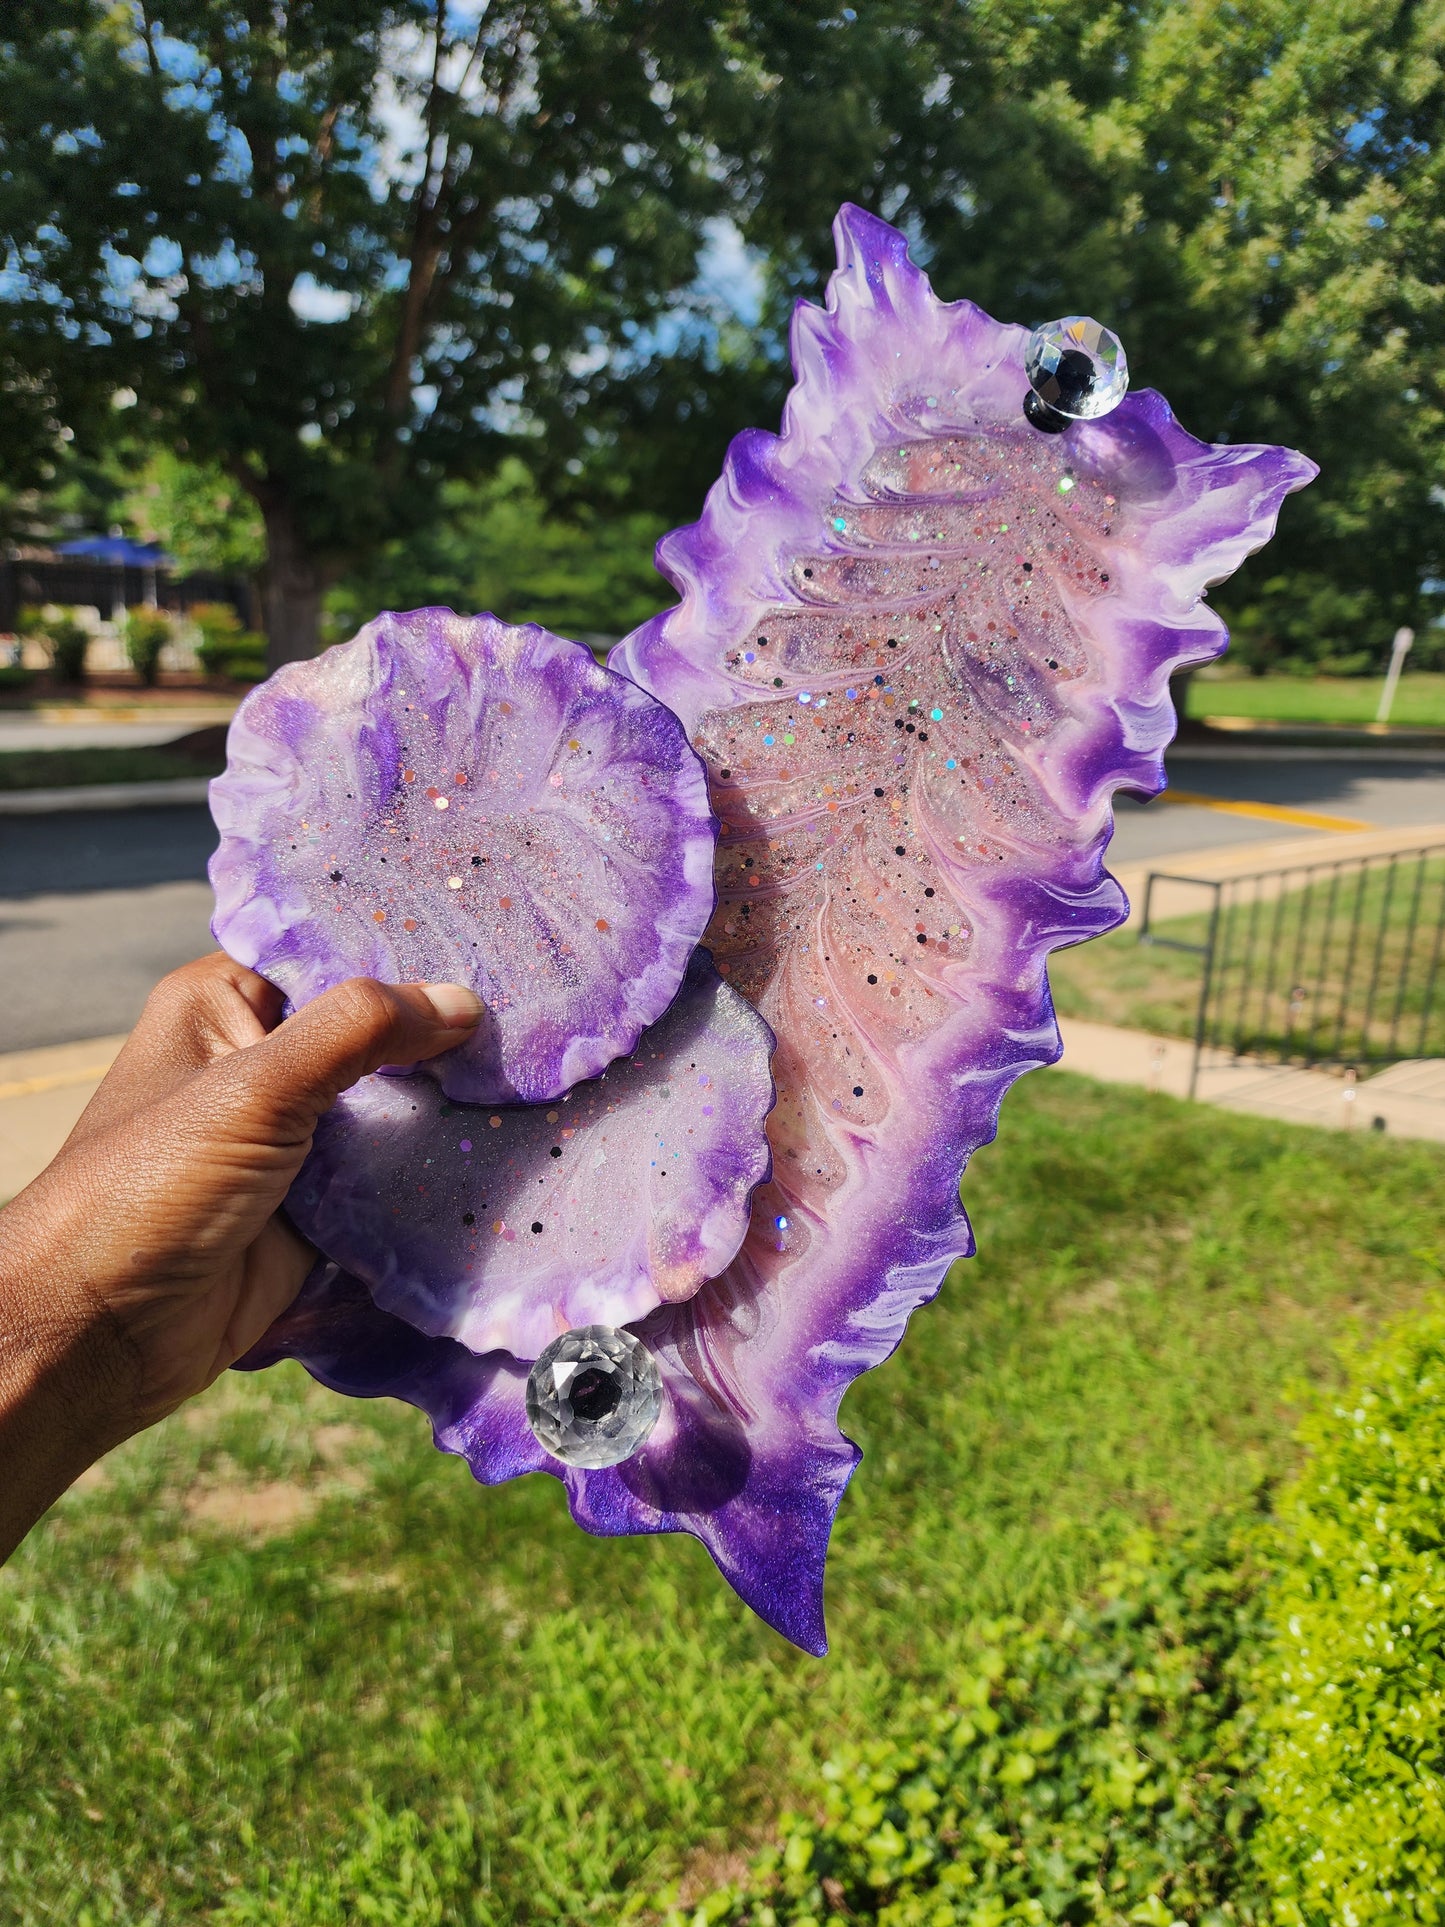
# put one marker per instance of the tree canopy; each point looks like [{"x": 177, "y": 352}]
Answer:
[
  {"x": 347, "y": 252},
  {"x": 344, "y": 248}
]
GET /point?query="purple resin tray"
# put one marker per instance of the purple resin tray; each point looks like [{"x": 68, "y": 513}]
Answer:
[{"x": 920, "y": 645}]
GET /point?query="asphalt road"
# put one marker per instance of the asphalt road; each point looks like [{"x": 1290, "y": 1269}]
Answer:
[
  {"x": 1377, "y": 795},
  {"x": 94, "y": 907}
]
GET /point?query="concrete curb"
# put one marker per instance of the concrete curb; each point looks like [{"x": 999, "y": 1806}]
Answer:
[{"x": 105, "y": 796}]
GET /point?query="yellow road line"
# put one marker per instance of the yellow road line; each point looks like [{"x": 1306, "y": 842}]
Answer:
[
  {"x": 57, "y": 1081},
  {"x": 1270, "y": 812}
]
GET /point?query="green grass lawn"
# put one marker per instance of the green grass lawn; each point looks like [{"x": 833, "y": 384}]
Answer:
[
  {"x": 1118, "y": 980},
  {"x": 1419, "y": 701},
  {"x": 402, "y": 1669},
  {"x": 25, "y": 769}
]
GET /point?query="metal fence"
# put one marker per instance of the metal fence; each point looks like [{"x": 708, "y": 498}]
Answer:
[{"x": 1324, "y": 963}]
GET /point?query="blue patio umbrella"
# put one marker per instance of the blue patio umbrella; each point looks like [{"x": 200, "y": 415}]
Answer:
[{"x": 118, "y": 550}]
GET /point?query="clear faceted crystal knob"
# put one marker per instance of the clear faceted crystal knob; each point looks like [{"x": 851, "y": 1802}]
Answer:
[
  {"x": 1077, "y": 371},
  {"x": 593, "y": 1396}
]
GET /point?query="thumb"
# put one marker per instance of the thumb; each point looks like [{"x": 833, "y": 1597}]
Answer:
[{"x": 300, "y": 1070}]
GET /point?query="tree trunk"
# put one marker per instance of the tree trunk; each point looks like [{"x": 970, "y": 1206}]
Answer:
[{"x": 293, "y": 583}]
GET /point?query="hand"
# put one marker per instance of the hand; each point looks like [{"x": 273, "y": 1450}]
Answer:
[{"x": 151, "y": 1254}]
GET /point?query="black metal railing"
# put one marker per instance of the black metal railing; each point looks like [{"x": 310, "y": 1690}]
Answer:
[{"x": 1336, "y": 962}]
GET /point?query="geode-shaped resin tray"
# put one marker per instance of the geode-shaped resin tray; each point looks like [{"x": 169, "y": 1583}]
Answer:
[{"x": 922, "y": 640}]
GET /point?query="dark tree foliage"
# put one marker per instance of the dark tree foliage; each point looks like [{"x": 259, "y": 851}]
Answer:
[
  {"x": 349, "y": 247},
  {"x": 962, "y": 123},
  {"x": 353, "y": 248}
]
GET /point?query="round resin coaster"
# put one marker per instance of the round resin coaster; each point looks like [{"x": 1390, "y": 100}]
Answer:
[
  {"x": 449, "y": 799},
  {"x": 502, "y": 1228}
]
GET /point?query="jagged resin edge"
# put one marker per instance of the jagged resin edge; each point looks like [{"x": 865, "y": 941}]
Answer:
[{"x": 848, "y": 1299}]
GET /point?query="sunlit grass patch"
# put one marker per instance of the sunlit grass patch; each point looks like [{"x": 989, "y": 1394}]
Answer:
[
  {"x": 416, "y": 1674},
  {"x": 1419, "y": 700}
]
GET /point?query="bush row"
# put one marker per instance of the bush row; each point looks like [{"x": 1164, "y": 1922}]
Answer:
[
  {"x": 1351, "y": 1685},
  {"x": 226, "y": 648},
  {"x": 1246, "y": 1726}
]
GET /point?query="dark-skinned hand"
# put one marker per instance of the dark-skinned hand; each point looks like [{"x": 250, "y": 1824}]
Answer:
[{"x": 153, "y": 1252}]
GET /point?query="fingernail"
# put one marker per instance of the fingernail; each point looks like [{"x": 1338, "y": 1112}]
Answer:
[{"x": 457, "y": 1007}]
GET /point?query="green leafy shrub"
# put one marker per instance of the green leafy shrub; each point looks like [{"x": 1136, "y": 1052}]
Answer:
[
  {"x": 226, "y": 648},
  {"x": 220, "y": 629},
  {"x": 66, "y": 642},
  {"x": 1351, "y": 1687},
  {"x": 147, "y": 631},
  {"x": 1087, "y": 1773},
  {"x": 247, "y": 661},
  {"x": 13, "y": 677}
]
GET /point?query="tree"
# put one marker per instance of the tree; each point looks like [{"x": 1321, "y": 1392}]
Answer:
[
  {"x": 347, "y": 248},
  {"x": 494, "y": 546},
  {"x": 1306, "y": 287},
  {"x": 1252, "y": 194},
  {"x": 48, "y": 387}
]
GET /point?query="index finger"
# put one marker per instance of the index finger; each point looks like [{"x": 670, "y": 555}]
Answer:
[{"x": 203, "y": 1011}]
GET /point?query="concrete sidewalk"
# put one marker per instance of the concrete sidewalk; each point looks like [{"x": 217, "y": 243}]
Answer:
[
  {"x": 42, "y": 1093},
  {"x": 1407, "y": 1100}
]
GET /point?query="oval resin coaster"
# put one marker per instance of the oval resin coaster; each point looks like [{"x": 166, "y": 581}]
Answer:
[{"x": 450, "y": 799}]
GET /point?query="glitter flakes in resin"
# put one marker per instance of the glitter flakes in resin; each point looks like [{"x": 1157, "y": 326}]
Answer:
[
  {"x": 921, "y": 665},
  {"x": 447, "y": 798},
  {"x": 502, "y": 1228}
]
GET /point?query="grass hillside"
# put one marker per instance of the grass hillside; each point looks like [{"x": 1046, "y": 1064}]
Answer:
[{"x": 279, "y": 1661}]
